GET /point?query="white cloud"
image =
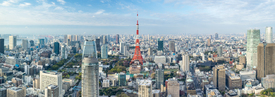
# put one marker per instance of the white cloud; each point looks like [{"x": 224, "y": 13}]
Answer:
[
  {"x": 53, "y": 3},
  {"x": 61, "y": 2},
  {"x": 8, "y": 2},
  {"x": 59, "y": 8},
  {"x": 99, "y": 12},
  {"x": 25, "y": 4}
]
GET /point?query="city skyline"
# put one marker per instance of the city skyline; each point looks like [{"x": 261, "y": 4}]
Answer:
[{"x": 156, "y": 16}]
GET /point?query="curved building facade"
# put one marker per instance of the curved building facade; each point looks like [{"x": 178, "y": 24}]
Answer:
[
  {"x": 253, "y": 40},
  {"x": 89, "y": 49},
  {"x": 268, "y": 35}
]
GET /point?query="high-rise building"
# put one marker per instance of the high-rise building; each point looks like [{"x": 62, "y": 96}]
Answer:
[
  {"x": 268, "y": 81},
  {"x": 25, "y": 44},
  {"x": 149, "y": 51},
  {"x": 122, "y": 79},
  {"x": 56, "y": 48},
  {"x": 41, "y": 43},
  {"x": 97, "y": 42},
  {"x": 268, "y": 35},
  {"x": 51, "y": 78},
  {"x": 117, "y": 39},
  {"x": 104, "y": 39},
  {"x": 184, "y": 63},
  {"x": 216, "y": 36},
  {"x": 253, "y": 39},
  {"x": 76, "y": 38},
  {"x": 3, "y": 92},
  {"x": 121, "y": 47},
  {"x": 89, "y": 49},
  {"x": 65, "y": 38},
  {"x": 159, "y": 76},
  {"x": 173, "y": 87},
  {"x": 69, "y": 37},
  {"x": 160, "y": 45},
  {"x": 172, "y": 46},
  {"x": 52, "y": 91},
  {"x": 12, "y": 42},
  {"x": 90, "y": 80},
  {"x": 242, "y": 60},
  {"x": 233, "y": 81},
  {"x": 63, "y": 52},
  {"x": 16, "y": 92},
  {"x": 266, "y": 53},
  {"x": 145, "y": 88},
  {"x": 2, "y": 43},
  {"x": 219, "y": 77},
  {"x": 208, "y": 42},
  {"x": 104, "y": 51},
  {"x": 31, "y": 43},
  {"x": 219, "y": 51}
]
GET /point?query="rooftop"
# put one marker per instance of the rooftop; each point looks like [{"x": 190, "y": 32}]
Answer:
[{"x": 145, "y": 82}]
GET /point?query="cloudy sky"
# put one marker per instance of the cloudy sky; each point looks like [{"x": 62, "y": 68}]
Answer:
[{"x": 119, "y": 16}]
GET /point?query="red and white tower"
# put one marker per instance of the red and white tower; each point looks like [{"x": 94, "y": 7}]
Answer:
[{"x": 137, "y": 55}]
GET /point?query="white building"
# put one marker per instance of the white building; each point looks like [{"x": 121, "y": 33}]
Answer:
[
  {"x": 145, "y": 88},
  {"x": 51, "y": 78},
  {"x": 185, "y": 63},
  {"x": 12, "y": 42}
]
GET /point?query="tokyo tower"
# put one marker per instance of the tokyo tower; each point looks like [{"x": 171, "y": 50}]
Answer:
[{"x": 137, "y": 55}]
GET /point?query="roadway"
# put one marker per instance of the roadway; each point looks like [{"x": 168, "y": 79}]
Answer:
[{"x": 66, "y": 63}]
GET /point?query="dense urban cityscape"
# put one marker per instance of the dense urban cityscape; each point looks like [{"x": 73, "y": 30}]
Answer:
[{"x": 97, "y": 48}]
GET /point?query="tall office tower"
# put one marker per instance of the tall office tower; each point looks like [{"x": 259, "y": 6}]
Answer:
[
  {"x": 2, "y": 43},
  {"x": 216, "y": 36},
  {"x": 104, "y": 51},
  {"x": 117, "y": 39},
  {"x": 268, "y": 35},
  {"x": 105, "y": 39},
  {"x": 160, "y": 45},
  {"x": 210, "y": 36},
  {"x": 25, "y": 44},
  {"x": 65, "y": 38},
  {"x": 56, "y": 48},
  {"x": 268, "y": 81},
  {"x": 63, "y": 52},
  {"x": 75, "y": 38},
  {"x": 219, "y": 77},
  {"x": 149, "y": 51},
  {"x": 208, "y": 42},
  {"x": 137, "y": 55},
  {"x": 242, "y": 60},
  {"x": 69, "y": 37},
  {"x": 172, "y": 46},
  {"x": 3, "y": 92},
  {"x": 145, "y": 88},
  {"x": 108, "y": 38},
  {"x": 12, "y": 42},
  {"x": 52, "y": 91},
  {"x": 219, "y": 51},
  {"x": 253, "y": 40},
  {"x": 173, "y": 88},
  {"x": 121, "y": 47},
  {"x": 51, "y": 78},
  {"x": 90, "y": 80},
  {"x": 184, "y": 64},
  {"x": 31, "y": 43},
  {"x": 89, "y": 49},
  {"x": 15, "y": 92},
  {"x": 126, "y": 49},
  {"x": 122, "y": 79},
  {"x": 41, "y": 43},
  {"x": 266, "y": 53},
  {"x": 97, "y": 42},
  {"x": 159, "y": 76}
]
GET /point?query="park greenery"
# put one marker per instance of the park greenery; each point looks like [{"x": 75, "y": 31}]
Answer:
[
  {"x": 268, "y": 92},
  {"x": 59, "y": 64},
  {"x": 122, "y": 95},
  {"x": 110, "y": 91},
  {"x": 204, "y": 68},
  {"x": 120, "y": 66}
]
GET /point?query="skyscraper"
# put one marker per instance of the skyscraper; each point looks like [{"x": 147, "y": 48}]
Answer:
[
  {"x": 90, "y": 80},
  {"x": 122, "y": 79},
  {"x": 89, "y": 49},
  {"x": 265, "y": 56},
  {"x": 121, "y": 47},
  {"x": 105, "y": 39},
  {"x": 208, "y": 42},
  {"x": 15, "y": 92},
  {"x": 268, "y": 35},
  {"x": 160, "y": 45},
  {"x": 97, "y": 41},
  {"x": 65, "y": 38},
  {"x": 104, "y": 51},
  {"x": 145, "y": 88},
  {"x": 117, "y": 39},
  {"x": 219, "y": 77},
  {"x": 52, "y": 91},
  {"x": 41, "y": 43},
  {"x": 25, "y": 44},
  {"x": 31, "y": 43},
  {"x": 159, "y": 76},
  {"x": 56, "y": 48},
  {"x": 2, "y": 45},
  {"x": 216, "y": 36},
  {"x": 173, "y": 87},
  {"x": 12, "y": 42},
  {"x": 63, "y": 52},
  {"x": 50, "y": 78},
  {"x": 184, "y": 64},
  {"x": 172, "y": 46},
  {"x": 219, "y": 51},
  {"x": 253, "y": 39}
]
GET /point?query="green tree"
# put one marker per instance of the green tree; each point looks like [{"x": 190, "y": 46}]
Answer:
[{"x": 122, "y": 95}]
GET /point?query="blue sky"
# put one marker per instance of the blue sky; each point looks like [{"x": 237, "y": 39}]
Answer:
[{"x": 119, "y": 16}]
